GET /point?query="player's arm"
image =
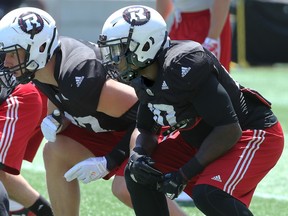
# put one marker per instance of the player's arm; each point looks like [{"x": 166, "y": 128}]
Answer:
[
  {"x": 51, "y": 107},
  {"x": 116, "y": 98},
  {"x": 95, "y": 168},
  {"x": 219, "y": 13},
  {"x": 120, "y": 101},
  {"x": 213, "y": 104},
  {"x": 121, "y": 151},
  {"x": 217, "y": 110},
  {"x": 53, "y": 123},
  {"x": 145, "y": 136},
  {"x": 143, "y": 141}
]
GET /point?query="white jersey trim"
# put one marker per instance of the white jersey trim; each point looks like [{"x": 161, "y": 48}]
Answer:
[
  {"x": 9, "y": 126},
  {"x": 244, "y": 161}
]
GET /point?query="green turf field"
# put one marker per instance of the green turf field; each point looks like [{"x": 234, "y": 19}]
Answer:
[{"x": 271, "y": 198}]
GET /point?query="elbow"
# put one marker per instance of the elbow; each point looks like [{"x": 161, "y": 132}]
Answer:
[
  {"x": 235, "y": 132},
  {"x": 238, "y": 132},
  {"x": 230, "y": 134}
]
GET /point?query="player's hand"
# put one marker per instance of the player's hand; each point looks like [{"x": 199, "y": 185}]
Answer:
[
  {"x": 172, "y": 185},
  {"x": 213, "y": 45},
  {"x": 141, "y": 170},
  {"x": 51, "y": 125},
  {"x": 88, "y": 170}
]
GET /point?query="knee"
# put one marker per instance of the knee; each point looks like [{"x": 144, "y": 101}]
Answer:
[
  {"x": 203, "y": 195},
  {"x": 119, "y": 189},
  {"x": 204, "y": 198},
  {"x": 48, "y": 152},
  {"x": 198, "y": 193},
  {"x": 214, "y": 201},
  {"x": 54, "y": 150},
  {"x": 121, "y": 193}
]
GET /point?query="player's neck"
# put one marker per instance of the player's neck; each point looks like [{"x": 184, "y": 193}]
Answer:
[
  {"x": 150, "y": 72},
  {"x": 46, "y": 74}
]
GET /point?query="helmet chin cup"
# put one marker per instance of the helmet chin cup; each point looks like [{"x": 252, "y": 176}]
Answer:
[
  {"x": 129, "y": 75},
  {"x": 32, "y": 65},
  {"x": 132, "y": 59}
]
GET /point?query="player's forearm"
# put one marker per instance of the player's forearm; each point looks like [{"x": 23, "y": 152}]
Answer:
[
  {"x": 121, "y": 151},
  {"x": 143, "y": 142},
  {"x": 218, "y": 142},
  {"x": 219, "y": 13}
]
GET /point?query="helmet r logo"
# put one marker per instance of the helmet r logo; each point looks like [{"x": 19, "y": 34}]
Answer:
[
  {"x": 140, "y": 15},
  {"x": 31, "y": 23}
]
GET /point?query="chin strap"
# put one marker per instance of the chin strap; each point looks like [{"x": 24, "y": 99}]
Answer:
[
  {"x": 129, "y": 75},
  {"x": 26, "y": 77}
]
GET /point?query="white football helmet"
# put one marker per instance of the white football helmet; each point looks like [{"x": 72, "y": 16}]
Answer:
[
  {"x": 35, "y": 31},
  {"x": 137, "y": 32}
]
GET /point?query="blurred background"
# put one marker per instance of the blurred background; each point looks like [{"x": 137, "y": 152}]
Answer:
[
  {"x": 259, "y": 26},
  {"x": 259, "y": 60}
]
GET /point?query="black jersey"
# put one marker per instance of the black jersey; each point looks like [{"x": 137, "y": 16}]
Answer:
[
  {"x": 80, "y": 77},
  {"x": 194, "y": 93}
]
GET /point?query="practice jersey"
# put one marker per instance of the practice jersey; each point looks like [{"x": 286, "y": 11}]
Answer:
[
  {"x": 80, "y": 77},
  {"x": 20, "y": 135},
  {"x": 193, "y": 93}
]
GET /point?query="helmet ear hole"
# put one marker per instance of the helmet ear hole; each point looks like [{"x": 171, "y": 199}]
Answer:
[
  {"x": 146, "y": 47},
  {"x": 42, "y": 47}
]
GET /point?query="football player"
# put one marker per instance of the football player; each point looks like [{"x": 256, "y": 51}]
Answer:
[
  {"x": 204, "y": 21},
  {"x": 183, "y": 86},
  {"x": 92, "y": 116},
  {"x": 21, "y": 137},
  {"x": 17, "y": 186}
]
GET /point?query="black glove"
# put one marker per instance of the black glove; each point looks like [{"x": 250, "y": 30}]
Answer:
[
  {"x": 173, "y": 184},
  {"x": 141, "y": 170}
]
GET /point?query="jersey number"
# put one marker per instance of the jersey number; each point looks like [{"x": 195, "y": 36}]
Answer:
[{"x": 163, "y": 113}]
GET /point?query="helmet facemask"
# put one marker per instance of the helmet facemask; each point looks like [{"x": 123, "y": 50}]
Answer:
[
  {"x": 117, "y": 51},
  {"x": 7, "y": 78}
]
